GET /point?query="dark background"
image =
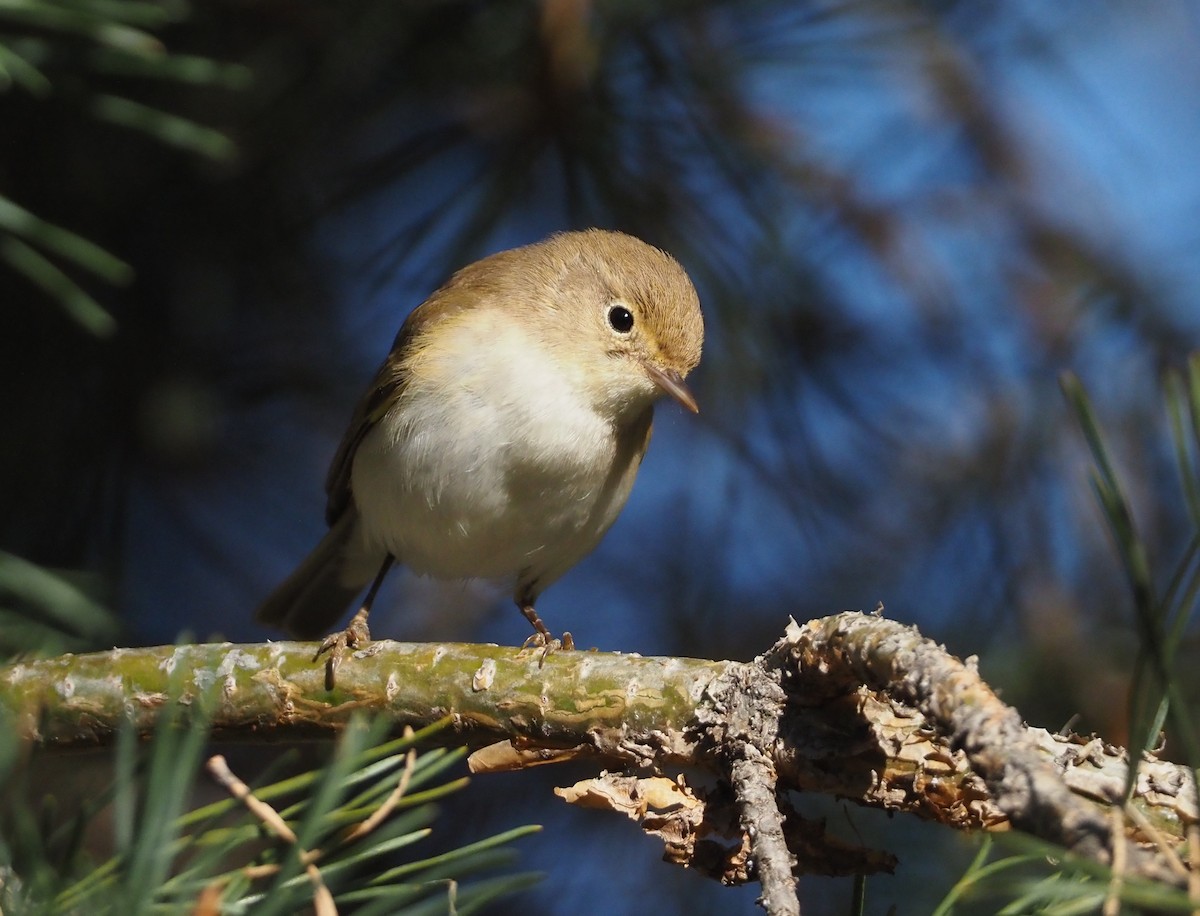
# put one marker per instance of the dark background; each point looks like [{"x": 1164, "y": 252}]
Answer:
[{"x": 905, "y": 221}]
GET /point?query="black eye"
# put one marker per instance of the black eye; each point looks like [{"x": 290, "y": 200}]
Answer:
[{"x": 621, "y": 319}]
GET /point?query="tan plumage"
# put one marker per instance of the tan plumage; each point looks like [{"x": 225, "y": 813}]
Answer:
[{"x": 503, "y": 431}]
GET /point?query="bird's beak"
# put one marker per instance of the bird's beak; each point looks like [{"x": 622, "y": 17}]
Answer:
[{"x": 671, "y": 382}]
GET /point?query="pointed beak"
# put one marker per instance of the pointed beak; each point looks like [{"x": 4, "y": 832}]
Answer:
[{"x": 671, "y": 383}]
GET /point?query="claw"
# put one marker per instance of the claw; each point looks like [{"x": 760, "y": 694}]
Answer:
[
  {"x": 547, "y": 643},
  {"x": 356, "y": 635}
]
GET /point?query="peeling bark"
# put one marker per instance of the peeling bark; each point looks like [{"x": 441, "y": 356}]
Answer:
[{"x": 853, "y": 705}]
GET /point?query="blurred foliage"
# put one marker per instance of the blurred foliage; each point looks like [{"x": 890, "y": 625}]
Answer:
[
  {"x": 1161, "y": 617},
  {"x": 1029, "y": 876},
  {"x": 78, "y": 59},
  {"x": 48, "y": 613},
  {"x": 221, "y": 858},
  {"x": 63, "y": 51}
]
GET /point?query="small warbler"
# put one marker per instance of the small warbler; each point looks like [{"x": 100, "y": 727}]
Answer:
[{"x": 501, "y": 436}]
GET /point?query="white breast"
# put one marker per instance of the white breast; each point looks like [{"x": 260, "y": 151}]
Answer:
[{"x": 493, "y": 465}]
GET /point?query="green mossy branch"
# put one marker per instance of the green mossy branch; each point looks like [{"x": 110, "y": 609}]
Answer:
[
  {"x": 622, "y": 710},
  {"x": 493, "y": 692}
]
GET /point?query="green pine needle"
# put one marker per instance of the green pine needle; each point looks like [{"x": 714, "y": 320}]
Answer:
[
  {"x": 164, "y": 862},
  {"x": 163, "y": 126}
]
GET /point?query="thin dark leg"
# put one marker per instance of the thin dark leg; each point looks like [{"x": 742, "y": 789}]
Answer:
[
  {"x": 356, "y": 634},
  {"x": 525, "y": 603},
  {"x": 543, "y": 638},
  {"x": 374, "y": 589}
]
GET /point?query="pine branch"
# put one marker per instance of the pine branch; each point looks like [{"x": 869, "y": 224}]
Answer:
[{"x": 852, "y": 705}]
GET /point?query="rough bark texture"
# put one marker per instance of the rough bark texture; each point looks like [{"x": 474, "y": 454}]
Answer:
[
  {"x": 1020, "y": 781},
  {"x": 740, "y": 724},
  {"x": 852, "y": 705}
]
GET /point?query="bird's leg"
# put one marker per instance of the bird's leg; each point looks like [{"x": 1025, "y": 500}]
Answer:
[
  {"x": 356, "y": 634},
  {"x": 543, "y": 638}
]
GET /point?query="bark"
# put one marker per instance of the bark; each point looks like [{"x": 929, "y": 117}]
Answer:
[{"x": 852, "y": 705}]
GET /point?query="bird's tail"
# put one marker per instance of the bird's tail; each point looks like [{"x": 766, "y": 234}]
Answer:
[{"x": 310, "y": 601}]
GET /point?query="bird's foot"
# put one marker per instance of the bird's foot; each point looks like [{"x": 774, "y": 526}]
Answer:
[
  {"x": 545, "y": 640},
  {"x": 356, "y": 635}
]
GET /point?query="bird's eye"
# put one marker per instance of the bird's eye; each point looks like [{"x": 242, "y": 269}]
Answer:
[{"x": 621, "y": 319}]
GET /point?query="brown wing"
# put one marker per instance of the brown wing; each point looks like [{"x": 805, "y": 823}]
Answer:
[
  {"x": 459, "y": 294},
  {"x": 371, "y": 408}
]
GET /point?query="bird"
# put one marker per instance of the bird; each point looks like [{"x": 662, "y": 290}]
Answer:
[{"x": 501, "y": 436}]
